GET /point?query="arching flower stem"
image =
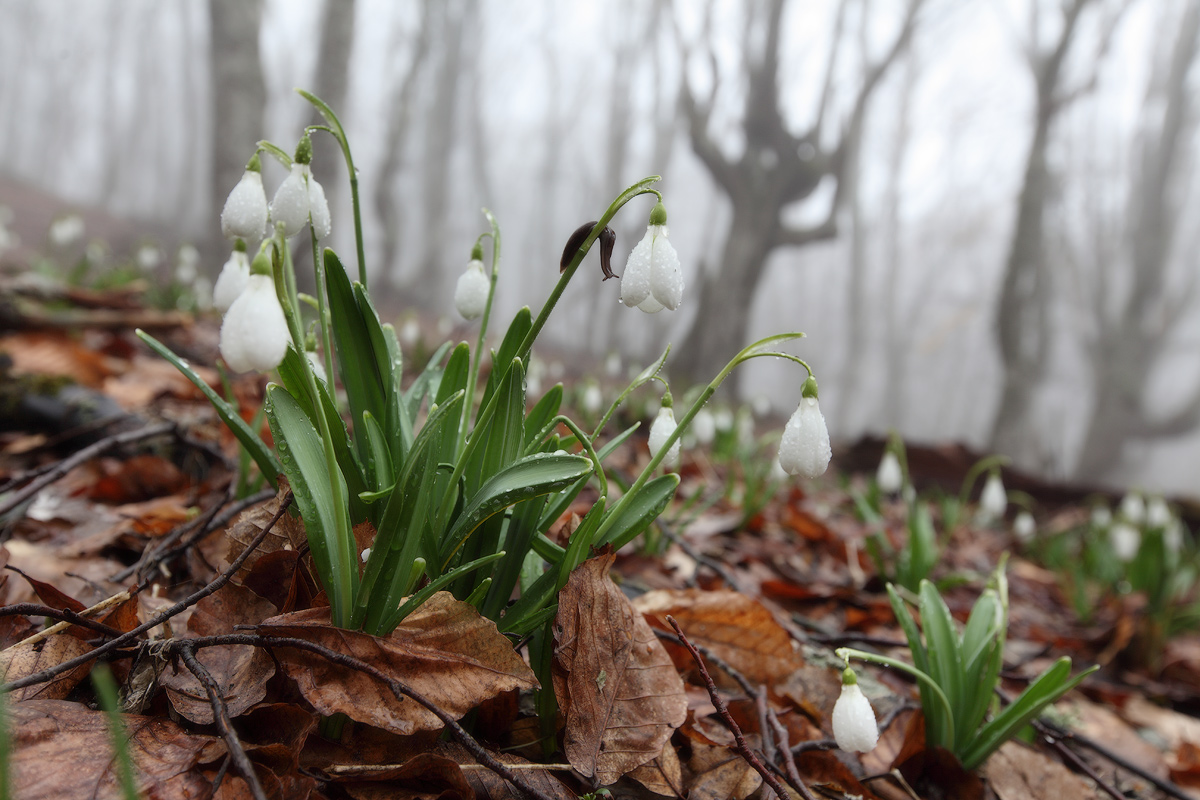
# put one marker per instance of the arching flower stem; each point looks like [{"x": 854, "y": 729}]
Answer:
[
  {"x": 477, "y": 353},
  {"x": 846, "y": 653}
]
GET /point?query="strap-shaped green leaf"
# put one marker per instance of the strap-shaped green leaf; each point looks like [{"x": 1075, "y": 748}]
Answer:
[
  {"x": 502, "y": 358},
  {"x": 637, "y": 512},
  {"x": 425, "y": 383},
  {"x": 542, "y": 412},
  {"x": 522, "y": 530},
  {"x": 498, "y": 437},
  {"x": 935, "y": 727},
  {"x": 380, "y": 457},
  {"x": 258, "y": 450},
  {"x": 942, "y": 644},
  {"x": 357, "y": 360}
]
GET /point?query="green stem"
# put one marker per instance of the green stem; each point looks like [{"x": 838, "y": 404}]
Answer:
[
  {"x": 323, "y": 311},
  {"x": 339, "y": 133},
  {"x": 340, "y": 541},
  {"x": 477, "y": 356},
  {"x": 587, "y": 445},
  {"x": 846, "y": 653}
]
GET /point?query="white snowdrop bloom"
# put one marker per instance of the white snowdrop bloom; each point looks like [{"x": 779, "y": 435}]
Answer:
[
  {"x": 1133, "y": 508},
  {"x": 232, "y": 280},
  {"x": 723, "y": 419},
  {"x": 300, "y": 199},
  {"x": 993, "y": 499},
  {"x": 778, "y": 473},
  {"x": 1158, "y": 514},
  {"x": 65, "y": 231},
  {"x": 318, "y": 368},
  {"x": 148, "y": 257},
  {"x": 592, "y": 401},
  {"x": 254, "y": 335},
  {"x": 1024, "y": 527},
  {"x": 704, "y": 426},
  {"x": 804, "y": 449},
  {"x": 854, "y": 725},
  {"x": 745, "y": 428},
  {"x": 366, "y": 553},
  {"x": 662, "y": 428},
  {"x": 471, "y": 291},
  {"x": 760, "y": 405},
  {"x": 889, "y": 477},
  {"x": 1125, "y": 540},
  {"x": 612, "y": 365},
  {"x": 410, "y": 332},
  {"x": 653, "y": 280},
  {"x": 1101, "y": 516},
  {"x": 245, "y": 213},
  {"x": 202, "y": 292}
]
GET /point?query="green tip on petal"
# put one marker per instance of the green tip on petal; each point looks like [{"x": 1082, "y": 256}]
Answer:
[
  {"x": 261, "y": 265},
  {"x": 239, "y": 245},
  {"x": 667, "y": 400},
  {"x": 849, "y": 678},
  {"x": 810, "y": 388},
  {"x": 254, "y": 164},
  {"x": 658, "y": 214},
  {"x": 477, "y": 252},
  {"x": 304, "y": 150}
]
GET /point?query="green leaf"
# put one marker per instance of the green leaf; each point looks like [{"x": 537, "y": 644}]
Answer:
[
  {"x": 1049, "y": 686},
  {"x": 380, "y": 457},
  {"x": 542, "y": 413},
  {"x": 268, "y": 465},
  {"x": 637, "y": 512},
  {"x": 531, "y": 476},
  {"x": 935, "y": 724},
  {"x": 357, "y": 359},
  {"x": 518, "y": 539},
  {"x": 413, "y": 603},
  {"x": 454, "y": 377},
  {"x": 498, "y": 437},
  {"x": 503, "y": 358},
  {"x": 425, "y": 383},
  {"x": 303, "y": 457},
  {"x": 941, "y": 639}
]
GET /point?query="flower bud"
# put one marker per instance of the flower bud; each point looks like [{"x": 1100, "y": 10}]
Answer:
[
  {"x": 245, "y": 213},
  {"x": 664, "y": 425},
  {"x": 1133, "y": 508},
  {"x": 1024, "y": 527},
  {"x": 254, "y": 335},
  {"x": 854, "y": 725},
  {"x": 290, "y": 205},
  {"x": 1158, "y": 515},
  {"x": 653, "y": 280},
  {"x": 471, "y": 292},
  {"x": 1125, "y": 540},
  {"x": 804, "y": 449},
  {"x": 993, "y": 500},
  {"x": 704, "y": 426},
  {"x": 889, "y": 477},
  {"x": 232, "y": 280}
]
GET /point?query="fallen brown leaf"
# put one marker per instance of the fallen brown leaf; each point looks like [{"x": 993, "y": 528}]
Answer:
[
  {"x": 720, "y": 773},
  {"x": 663, "y": 775},
  {"x": 22, "y": 660},
  {"x": 1015, "y": 772},
  {"x": 444, "y": 650},
  {"x": 490, "y": 786},
  {"x": 619, "y": 690}
]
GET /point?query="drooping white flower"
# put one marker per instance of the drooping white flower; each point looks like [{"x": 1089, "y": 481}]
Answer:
[
  {"x": 148, "y": 257},
  {"x": 804, "y": 448},
  {"x": 1158, "y": 514},
  {"x": 854, "y": 725},
  {"x": 662, "y": 428},
  {"x": 889, "y": 477},
  {"x": 704, "y": 426},
  {"x": 723, "y": 419},
  {"x": 245, "y": 213},
  {"x": 593, "y": 399},
  {"x": 232, "y": 280},
  {"x": 993, "y": 499},
  {"x": 612, "y": 365},
  {"x": 653, "y": 280},
  {"x": 254, "y": 335},
  {"x": 1133, "y": 508},
  {"x": 471, "y": 291},
  {"x": 65, "y": 231},
  {"x": 1101, "y": 517},
  {"x": 1125, "y": 540},
  {"x": 299, "y": 200},
  {"x": 1024, "y": 527}
]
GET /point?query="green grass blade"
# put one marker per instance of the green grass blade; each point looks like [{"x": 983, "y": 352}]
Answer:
[{"x": 636, "y": 514}]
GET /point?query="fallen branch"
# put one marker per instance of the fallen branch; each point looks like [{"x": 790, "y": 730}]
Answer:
[{"x": 67, "y": 616}]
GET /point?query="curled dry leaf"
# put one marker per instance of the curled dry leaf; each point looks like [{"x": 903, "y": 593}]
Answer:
[
  {"x": 735, "y": 627},
  {"x": 663, "y": 775},
  {"x": 1015, "y": 772},
  {"x": 63, "y": 751},
  {"x": 620, "y": 692},
  {"x": 242, "y": 671},
  {"x": 288, "y": 533},
  {"x": 720, "y": 773},
  {"x": 23, "y": 660},
  {"x": 444, "y": 650}
]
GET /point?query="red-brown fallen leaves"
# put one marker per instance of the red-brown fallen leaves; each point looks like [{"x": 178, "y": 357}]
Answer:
[
  {"x": 617, "y": 687},
  {"x": 63, "y": 751},
  {"x": 22, "y": 660},
  {"x": 444, "y": 650}
]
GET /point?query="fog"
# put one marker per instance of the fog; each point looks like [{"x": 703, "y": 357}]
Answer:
[{"x": 981, "y": 212}]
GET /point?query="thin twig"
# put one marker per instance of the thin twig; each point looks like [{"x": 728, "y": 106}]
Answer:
[
  {"x": 19, "y": 496},
  {"x": 723, "y": 710},
  {"x": 789, "y": 762},
  {"x": 221, "y": 718},
  {"x": 749, "y": 688},
  {"x": 1071, "y": 756},
  {"x": 1050, "y": 729},
  {"x": 158, "y": 619},
  {"x": 398, "y": 688},
  {"x": 64, "y": 614},
  {"x": 700, "y": 558}
]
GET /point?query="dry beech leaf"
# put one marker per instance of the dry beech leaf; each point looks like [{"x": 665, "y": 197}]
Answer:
[
  {"x": 618, "y": 689},
  {"x": 24, "y": 660},
  {"x": 735, "y": 627},
  {"x": 1015, "y": 772},
  {"x": 63, "y": 751},
  {"x": 444, "y": 650},
  {"x": 288, "y": 533},
  {"x": 720, "y": 773},
  {"x": 425, "y": 776},
  {"x": 241, "y": 670},
  {"x": 490, "y": 786},
  {"x": 663, "y": 775}
]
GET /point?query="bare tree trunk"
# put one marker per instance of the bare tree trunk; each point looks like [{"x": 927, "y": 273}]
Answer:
[
  {"x": 332, "y": 82},
  {"x": 239, "y": 96}
]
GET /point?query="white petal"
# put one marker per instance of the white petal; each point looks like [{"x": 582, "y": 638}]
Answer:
[
  {"x": 666, "y": 279},
  {"x": 290, "y": 205},
  {"x": 1024, "y": 527},
  {"x": 1125, "y": 540},
  {"x": 889, "y": 477},
  {"x": 318, "y": 209},
  {"x": 804, "y": 449},
  {"x": 635, "y": 282},
  {"x": 254, "y": 335},
  {"x": 232, "y": 281},
  {"x": 993, "y": 499},
  {"x": 650, "y": 305},
  {"x": 664, "y": 425},
  {"x": 471, "y": 291},
  {"x": 1133, "y": 508},
  {"x": 245, "y": 211},
  {"x": 854, "y": 725},
  {"x": 704, "y": 426}
]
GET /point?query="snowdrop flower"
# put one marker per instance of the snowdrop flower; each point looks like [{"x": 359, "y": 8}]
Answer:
[
  {"x": 1101, "y": 517},
  {"x": 854, "y": 725},
  {"x": 300, "y": 200},
  {"x": 148, "y": 257},
  {"x": 612, "y": 365},
  {"x": 245, "y": 213},
  {"x": 723, "y": 419},
  {"x": 410, "y": 332},
  {"x": 1125, "y": 540},
  {"x": 593, "y": 399},
  {"x": 993, "y": 499},
  {"x": 652, "y": 279},
  {"x": 1133, "y": 508},
  {"x": 471, "y": 291},
  {"x": 254, "y": 335},
  {"x": 65, "y": 231},
  {"x": 704, "y": 426},
  {"x": 804, "y": 449},
  {"x": 1157, "y": 513},
  {"x": 662, "y": 428},
  {"x": 889, "y": 477},
  {"x": 233, "y": 278},
  {"x": 1024, "y": 527}
]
